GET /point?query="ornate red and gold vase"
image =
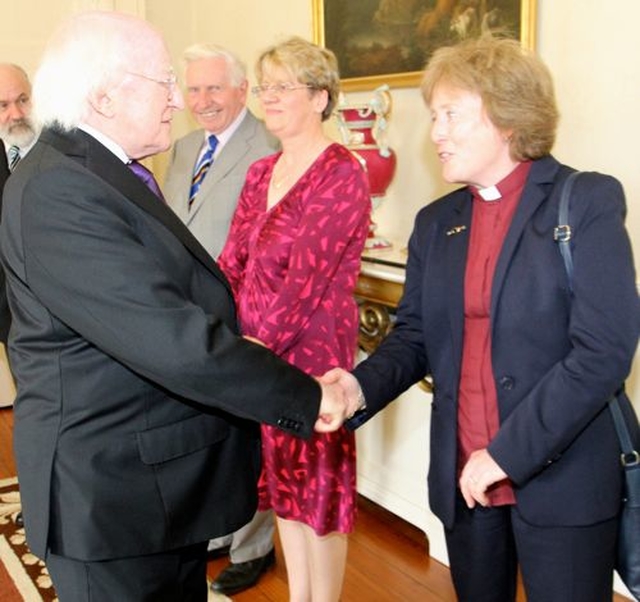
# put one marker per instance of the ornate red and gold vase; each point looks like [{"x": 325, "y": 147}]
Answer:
[{"x": 363, "y": 128}]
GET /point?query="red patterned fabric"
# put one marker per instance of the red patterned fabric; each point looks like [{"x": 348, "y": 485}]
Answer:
[{"x": 293, "y": 269}]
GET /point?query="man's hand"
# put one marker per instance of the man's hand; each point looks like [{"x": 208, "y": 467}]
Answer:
[
  {"x": 350, "y": 387},
  {"x": 479, "y": 473},
  {"x": 333, "y": 408}
]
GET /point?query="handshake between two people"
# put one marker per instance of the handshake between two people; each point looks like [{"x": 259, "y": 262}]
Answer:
[
  {"x": 341, "y": 396},
  {"x": 341, "y": 399}
]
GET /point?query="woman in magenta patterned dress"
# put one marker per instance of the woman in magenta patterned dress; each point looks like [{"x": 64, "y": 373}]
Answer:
[{"x": 293, "y": 257}]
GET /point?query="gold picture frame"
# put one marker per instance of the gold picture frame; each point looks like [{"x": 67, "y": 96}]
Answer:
[{"x": 396, "y": 37}]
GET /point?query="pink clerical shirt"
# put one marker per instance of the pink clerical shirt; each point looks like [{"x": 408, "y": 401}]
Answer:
[{"x": 478, "y": 418}]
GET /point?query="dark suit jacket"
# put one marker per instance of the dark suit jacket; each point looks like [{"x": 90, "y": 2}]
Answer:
[
  {"x": 133, "y": 421},
  {"x": 5, "y": 315},
  {"x": 556, "y": 360}
]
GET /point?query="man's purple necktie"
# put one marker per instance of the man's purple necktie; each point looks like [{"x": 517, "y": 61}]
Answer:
[{"x": 147, "y": 177}]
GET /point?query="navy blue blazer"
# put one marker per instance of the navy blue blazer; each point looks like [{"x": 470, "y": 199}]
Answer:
[{"x": 556, "y": 359}]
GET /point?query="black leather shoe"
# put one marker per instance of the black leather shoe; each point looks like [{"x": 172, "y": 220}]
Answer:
[{"x": 243, "y": 575}]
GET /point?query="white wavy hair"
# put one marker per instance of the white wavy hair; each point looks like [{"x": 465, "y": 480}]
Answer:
[
  {"x": 236, "y": 69},
  {"x": 88, "y": 52}
]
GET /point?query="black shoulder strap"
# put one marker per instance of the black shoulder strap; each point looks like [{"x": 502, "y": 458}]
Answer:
[
  {"x": 562, "y": 232},
  {"x": 562, "y": 235}
]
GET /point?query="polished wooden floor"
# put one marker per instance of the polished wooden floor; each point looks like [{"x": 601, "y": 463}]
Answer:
[{"x": 387, "y": 561}]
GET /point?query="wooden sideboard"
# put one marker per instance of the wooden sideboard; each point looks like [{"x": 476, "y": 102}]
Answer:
[{"x": 378, "y": 292}]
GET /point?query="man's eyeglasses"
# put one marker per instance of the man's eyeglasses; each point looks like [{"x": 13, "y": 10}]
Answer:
[
  {"x": 278, "y": 89},
  {"x": 169, "y": 82}
]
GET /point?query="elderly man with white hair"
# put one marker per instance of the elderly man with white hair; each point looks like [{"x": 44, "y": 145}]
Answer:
[{"x": 136, "y": 433}]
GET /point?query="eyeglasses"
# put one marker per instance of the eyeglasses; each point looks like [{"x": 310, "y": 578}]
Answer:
[
  {"x": 278, "y": 89},
  {"x": 169, "y": 82}
]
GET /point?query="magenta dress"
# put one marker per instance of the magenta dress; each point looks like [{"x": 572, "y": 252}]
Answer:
[{"x": 293, "y": 269}]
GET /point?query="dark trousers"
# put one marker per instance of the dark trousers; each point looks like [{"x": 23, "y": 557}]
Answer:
[
  {"x": 558, "y": 564},
  {"x": 175, "y": 576}
]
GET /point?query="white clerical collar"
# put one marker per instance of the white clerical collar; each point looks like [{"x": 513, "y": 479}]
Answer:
[{"x": 491, "y": 193}]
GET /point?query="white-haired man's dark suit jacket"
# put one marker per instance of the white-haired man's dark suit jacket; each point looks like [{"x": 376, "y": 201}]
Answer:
[{"x": 134, "y": 429}]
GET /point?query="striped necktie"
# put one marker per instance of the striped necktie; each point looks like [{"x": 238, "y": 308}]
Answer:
[
  {"x": 13, "y": 155},
  {"x": 201, "y": 168}
]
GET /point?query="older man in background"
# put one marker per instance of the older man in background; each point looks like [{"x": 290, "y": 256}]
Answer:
[
  {"x": 135, "y": 422},
  {"x": 202, "y": 186},
  {"x": 17, "y": 132},
  {"x": 17, "y": 135}
]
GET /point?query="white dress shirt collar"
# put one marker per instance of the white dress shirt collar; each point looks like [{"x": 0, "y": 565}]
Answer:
[
  {"x": 224, "y": 137},
  {"x": 113, "y": 146}
]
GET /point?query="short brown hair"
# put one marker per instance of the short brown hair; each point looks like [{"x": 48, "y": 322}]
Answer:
[
  {"x": 309, "y": 63},
  {"x": 515, "y": 86}
]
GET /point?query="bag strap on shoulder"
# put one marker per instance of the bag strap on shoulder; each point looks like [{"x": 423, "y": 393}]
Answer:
[{"x": 562, "y": 232}]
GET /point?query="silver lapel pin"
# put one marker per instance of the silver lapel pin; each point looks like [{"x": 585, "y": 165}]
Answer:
[{"x": 456, "y": 230}]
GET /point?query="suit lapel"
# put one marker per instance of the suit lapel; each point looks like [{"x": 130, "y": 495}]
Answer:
[
  {"x": 194, "y": 145},
  {"x": 456, "y": 232},
  {"x": 4, "y": 167},
  {"x": 232, "y": 152},
  {"x": 535, "y": 192},
  {"x": 85, "y": 149}
]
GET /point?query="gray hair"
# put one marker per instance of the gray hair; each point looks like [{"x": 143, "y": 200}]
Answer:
[
  {"x": 236, "y": 69},
  {"x": 90, "y": 51}
]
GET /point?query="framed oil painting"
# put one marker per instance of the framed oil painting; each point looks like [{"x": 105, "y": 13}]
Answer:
[{"x": 389, "y": 41}]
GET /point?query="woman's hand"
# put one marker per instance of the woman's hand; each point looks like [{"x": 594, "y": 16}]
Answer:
[{"x": 480, "y": 472}]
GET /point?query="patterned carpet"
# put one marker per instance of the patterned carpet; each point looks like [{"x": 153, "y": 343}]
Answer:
[{"x": 23, "y": 578}]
